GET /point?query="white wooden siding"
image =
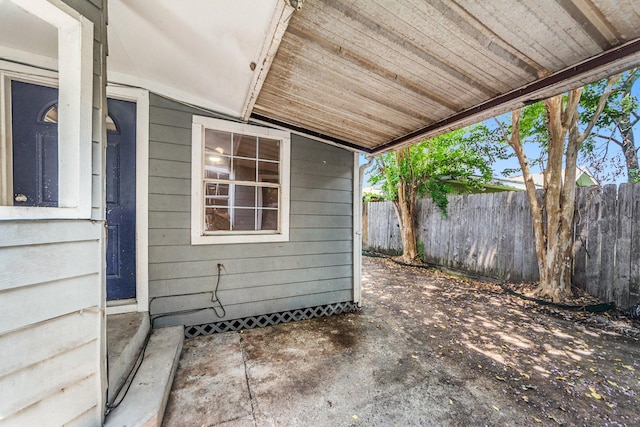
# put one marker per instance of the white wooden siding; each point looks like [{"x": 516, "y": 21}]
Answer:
[
  {"x": 50, "y": 321},
  {"x": 313, "y": 268}
]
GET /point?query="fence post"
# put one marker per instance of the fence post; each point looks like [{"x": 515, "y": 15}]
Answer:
[{"x": 623, "y": 259}]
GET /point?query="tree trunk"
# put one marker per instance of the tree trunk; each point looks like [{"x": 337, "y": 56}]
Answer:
[
  {"x": 625, "y": 127},
  {"x": 548, "y": 230},
  {"x": 553, "y": 216},
  {"x": 553, "y": 219},
  {"x": 405, "y": 211},
  {"x": 628, "y": 146},
  {"x": 407, "y": 231},
  {"x": 555, "y": 263}
]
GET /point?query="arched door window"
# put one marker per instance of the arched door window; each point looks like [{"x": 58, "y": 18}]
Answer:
[{"x": 51, "y": 116}]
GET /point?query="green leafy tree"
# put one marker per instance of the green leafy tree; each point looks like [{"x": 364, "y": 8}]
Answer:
[
  {"x": 614, "y": 126},
  {"x": 413, "y": 172},
  {"x": 561, "y": 127}
]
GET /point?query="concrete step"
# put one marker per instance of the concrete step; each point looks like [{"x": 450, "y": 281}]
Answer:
[
  {"x": 126, "y": 335},
  {"x": 146, "y": 399}
]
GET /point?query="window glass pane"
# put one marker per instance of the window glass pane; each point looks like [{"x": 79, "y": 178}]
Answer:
[
  {"x": 269, "y": 149},
  {"x": 270, "y": 197},
  {"x": 217, "y": 142},
  {"x": 244, "y": 146},
  {"x": 51, "y": 115},
  {"x": 244, "y": 219},
  {"x": 216, "y": 194},
  {"x": 218, "y": 171},
  {"x": 217, "y": 149},
  {"x": 269, "y": 219},
  {"x": 111, "y": 125},
  {"x": 216, "y": 219},
  {"x": 244, "y": 196},
  {"x": 244, "y": 169},
  {"x": 216, "y": 160},
  {"x": 268, "y": 172},
  {"x": 244, "y": 212},
  {"x": 212, "y": 172}
]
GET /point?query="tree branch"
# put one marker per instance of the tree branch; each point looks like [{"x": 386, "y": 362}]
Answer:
[
  {"x": 600, "y": 107},
  {"x": 608, "y": 138},
  {"x": 570, "y": 113},
  {"x": 505, "y": 134}
]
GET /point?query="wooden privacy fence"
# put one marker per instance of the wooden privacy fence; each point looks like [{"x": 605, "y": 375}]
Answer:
[{"x": 491, "y": 235}]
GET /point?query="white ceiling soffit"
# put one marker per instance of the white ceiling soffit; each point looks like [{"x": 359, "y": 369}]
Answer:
[
  {"x": 379, "y": 74},
  {"x": 196, "y": 51},
  {"x": 26, "y": 39}
]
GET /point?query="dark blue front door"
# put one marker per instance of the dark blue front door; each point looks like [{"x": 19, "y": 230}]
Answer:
[
  {"x": 35, "y": 173},
  {"x": 121, "y": 201},
  {"x": 35, "y": 145}
]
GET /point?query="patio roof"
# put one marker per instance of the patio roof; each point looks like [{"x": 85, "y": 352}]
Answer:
[
  {"x": 371, "y": 75},
  {"x": 377, "y": 74}
]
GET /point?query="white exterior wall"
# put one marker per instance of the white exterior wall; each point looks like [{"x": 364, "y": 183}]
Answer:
[{"x": 50, "y": 322}]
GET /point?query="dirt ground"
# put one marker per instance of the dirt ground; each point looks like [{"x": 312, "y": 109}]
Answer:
[{"x": 427, "y": 348}]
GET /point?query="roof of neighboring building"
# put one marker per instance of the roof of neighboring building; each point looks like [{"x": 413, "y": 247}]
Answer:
[{"x": 584, "y": 178}]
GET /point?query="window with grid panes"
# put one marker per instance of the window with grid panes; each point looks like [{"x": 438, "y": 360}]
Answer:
[{"x": 242, "y": 172}]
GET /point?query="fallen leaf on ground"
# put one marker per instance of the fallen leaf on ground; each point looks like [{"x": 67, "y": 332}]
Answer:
[
  {"x": 555, "y": 419},
  {"x": 594, "y": 394}
]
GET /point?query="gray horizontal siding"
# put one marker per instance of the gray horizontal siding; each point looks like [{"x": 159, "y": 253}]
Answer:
[
  {"x": 162, "y": 254},
  {"x": 254, "y": 294},
  {"x": 193, "y": 285},
  {"x": 185, "y": 269},
  {"x": 307, "y": 180},
  {"x": 313, "y": 268}
]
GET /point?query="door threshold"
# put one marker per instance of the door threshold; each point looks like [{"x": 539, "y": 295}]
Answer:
[{"x": 122, "y": 306}]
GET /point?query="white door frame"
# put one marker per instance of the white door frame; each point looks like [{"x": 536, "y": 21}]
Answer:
[{"x": 141, "y": 98}]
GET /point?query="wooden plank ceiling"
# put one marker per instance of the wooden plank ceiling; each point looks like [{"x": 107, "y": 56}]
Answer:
[{"x": 377, "y": 74}]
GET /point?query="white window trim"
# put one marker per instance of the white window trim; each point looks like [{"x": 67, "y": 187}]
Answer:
[
  {"x": 75, "y": 81},
  {"x": 197, "y": 171}
]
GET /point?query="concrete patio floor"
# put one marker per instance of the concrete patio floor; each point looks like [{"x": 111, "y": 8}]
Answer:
[{"x": 426, "y": 349}]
